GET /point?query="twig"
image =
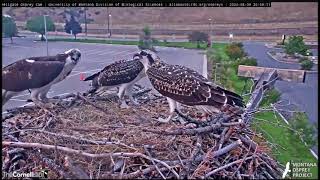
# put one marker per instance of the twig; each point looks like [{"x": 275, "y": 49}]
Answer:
[
  {"x": 187, "y": 131},
  {"x": 225, "y": 166},
  {"x": 77, "y": 171},
  {"x": 92, "y": 104},
  {"x": 157, "y": 168}
]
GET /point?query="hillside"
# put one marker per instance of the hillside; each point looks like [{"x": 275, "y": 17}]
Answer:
[{"x": 279, "y": 12}]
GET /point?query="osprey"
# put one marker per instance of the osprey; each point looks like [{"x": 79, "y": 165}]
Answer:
[
  {"x": 37, "y": 74},
  {"x": 186, "y": 86},
  {"x": 122, "y": 74}
]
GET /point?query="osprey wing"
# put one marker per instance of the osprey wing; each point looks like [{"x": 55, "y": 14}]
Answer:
[
  {"x": 189, "y": 87},
  {"x": 29, "y": 73},
  {"x": 120, "y": 73}
]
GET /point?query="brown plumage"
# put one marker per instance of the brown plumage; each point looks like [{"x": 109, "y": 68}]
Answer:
[{"x": 186, "y": 86}]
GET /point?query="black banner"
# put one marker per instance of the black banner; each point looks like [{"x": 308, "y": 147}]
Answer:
[{"x": 137, "y": 4}]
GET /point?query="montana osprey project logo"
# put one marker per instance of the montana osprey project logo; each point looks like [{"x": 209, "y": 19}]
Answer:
[{"x": 287, "y": 170}]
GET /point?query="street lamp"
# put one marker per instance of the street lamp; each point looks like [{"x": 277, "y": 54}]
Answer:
[
  {"x": 110, "y": 25},
  {"x": 45, "y": 32},
  {"x": 210, "y": 29}
]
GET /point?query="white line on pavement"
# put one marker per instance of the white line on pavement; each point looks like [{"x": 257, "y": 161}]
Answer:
[{"x": 205, "y": 66}]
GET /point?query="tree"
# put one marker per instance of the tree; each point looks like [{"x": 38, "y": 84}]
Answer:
[
  {"x": 73, "y": 27},
  {"x": 199, "y": 37},
  {"x": 146, "y": 42},
  {"x": 235, "y": 51},
  {"x": 296, "y": 44},
  {"x": 36, "y": 24},
  {"x": 9, "y": 28}
]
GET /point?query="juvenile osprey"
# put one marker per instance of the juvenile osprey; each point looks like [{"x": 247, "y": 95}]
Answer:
[
  {"x": 186, "y": 86},
  {"x": 37, "y": 74},
  {"x": 122, "y": 74}
]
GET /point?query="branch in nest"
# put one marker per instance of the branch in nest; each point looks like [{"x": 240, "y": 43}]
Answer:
[
  {"x": 187, "y": 131},
  {"x": 92, "y": 104},
  {"x": 77, "y": 171}
]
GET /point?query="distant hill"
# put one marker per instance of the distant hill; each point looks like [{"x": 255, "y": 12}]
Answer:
[{"x": 279, "y": 12}]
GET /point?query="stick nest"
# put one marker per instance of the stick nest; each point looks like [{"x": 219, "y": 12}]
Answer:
[{"x": 89, "y": 136}]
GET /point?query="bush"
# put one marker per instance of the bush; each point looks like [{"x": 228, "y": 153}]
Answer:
[
  {"x": 198, "y": 37},
  {"x": 145, "y": 40},
  {"x": 306, "y": 65},
  {"x": 9, "y": 28},
  {"x": 235, "y": 51},
  {"x": 296, "y": 44},
  {"x": 36, "y": 24},
  {"x": 303, "y": 59},
  {"x": 303, "y": 128},
  {"x": 248, "y": 61}
]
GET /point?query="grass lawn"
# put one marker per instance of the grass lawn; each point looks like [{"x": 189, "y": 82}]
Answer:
[
  {"x": 187, "y": 45},
  {"x": 284, "y": 144}
]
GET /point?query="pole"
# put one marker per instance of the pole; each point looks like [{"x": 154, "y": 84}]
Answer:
[
  {"x": 85, "y": 21},
  {"x": 110, "y": 23},
  {"x": 210, "y": 33},
  {"x": 108, "y": 19},
  {"x": 45, "y": 33}
]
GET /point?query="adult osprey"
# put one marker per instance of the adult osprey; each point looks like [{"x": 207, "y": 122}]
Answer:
[
  {"x": 122, "y": 74},
  {"x": 37, "y": 74},
  {"x": 186, "y": 86}
]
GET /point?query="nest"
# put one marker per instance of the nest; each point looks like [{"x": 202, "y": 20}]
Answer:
[{"x": 89, "y": 136}]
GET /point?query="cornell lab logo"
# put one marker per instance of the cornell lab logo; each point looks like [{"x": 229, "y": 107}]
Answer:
[{"x": 298, "y": 170}]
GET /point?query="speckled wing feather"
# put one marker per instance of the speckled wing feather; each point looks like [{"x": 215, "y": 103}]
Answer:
[
  {"x": 189, "y": 87},
  {"x": 22, "y": 75},
  {"x": 119, "y": 73}
]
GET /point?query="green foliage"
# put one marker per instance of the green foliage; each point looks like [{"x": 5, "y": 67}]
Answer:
[
  {"x": 303, "y": 59},
  {"x": 303, "y": 128},
  {"x": 271, "y": 97},
  {"x": 145, "y": 40},
  {"x": 306, "y": 65},
  {"x": 73, "y": 27},
  {"x": 296, "y": 44},
  {"x": 36, "y": 24},
  {"x": 235, "y": 51},
  {"x": 248, "y": 61},
  {"x": 9, "y": 28}
]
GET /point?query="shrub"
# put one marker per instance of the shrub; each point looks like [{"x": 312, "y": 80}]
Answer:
[
  {"x": 145, "y": 40},
  {"x": 234, "y": 51},
  {"x": 303, "y": 59},
  {"x": 306, "y": 65},
  {"x": 198, "y": 37},
  {"x": 9, "y": 28},
  {"x": 303, "y": 128},
  {"x": 248, "y": 61},
  {"x": 36, "y": 24},
  {"x": 296, "y": 44}
]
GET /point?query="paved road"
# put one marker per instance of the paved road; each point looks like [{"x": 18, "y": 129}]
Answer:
[{"x": 94, "y": 57}]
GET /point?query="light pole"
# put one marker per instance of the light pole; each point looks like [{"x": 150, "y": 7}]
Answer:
[
  {"x": 110, "y": 25},
  {"x": 45, "y": 32},
  {"x": 210, "y": 29}
]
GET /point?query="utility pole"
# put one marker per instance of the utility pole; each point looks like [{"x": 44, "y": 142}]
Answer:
[
  {"x": 45, "y": 32},
  {"x": 110, "y": 23},
  {"x": 210, "y": 31},
  {"x": 108, "y": 19}
]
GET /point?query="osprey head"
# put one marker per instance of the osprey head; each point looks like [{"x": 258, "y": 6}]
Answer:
[
  {"x": 152, "y": 56},
  {"x": 74, "y": 55}
]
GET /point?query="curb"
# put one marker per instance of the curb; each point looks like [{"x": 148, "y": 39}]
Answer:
[{"x": 269, "y": 54}]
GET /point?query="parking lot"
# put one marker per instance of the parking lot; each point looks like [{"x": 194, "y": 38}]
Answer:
[{"x": 94, "y": 58}]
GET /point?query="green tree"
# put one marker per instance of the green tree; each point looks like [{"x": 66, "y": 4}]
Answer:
[
  {"x": 296, "y": 44},
  {"x": 303, "y": 128},
  {"x": 198, "y": 37},
  {"x": 9, "y": 28},
  {"x": 306, "y": 64},
  {"x": 36, "y": 24},
  {"x": 235, "y": 51},
  {"x": 73, "y": 27},
  {"x": 145, "y": 40}
]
